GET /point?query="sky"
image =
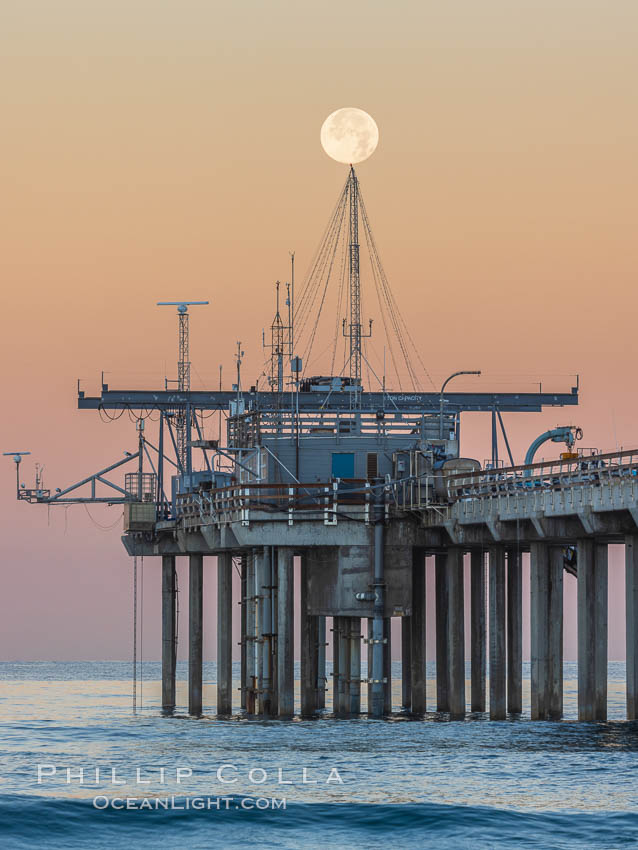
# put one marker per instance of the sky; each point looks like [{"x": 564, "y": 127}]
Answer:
[{"x": 160, "y": 150}]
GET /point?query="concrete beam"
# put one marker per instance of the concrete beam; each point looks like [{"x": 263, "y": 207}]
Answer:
[
  {"x": 478, "y": 631},
  {"x": 441, "y": 605},
  {"x": 592, "y": 630},
  {"x": 169, "y": 642},
  {"x": 631, "y": 602},
  {"x": 224, "y": 635},
  {"x": 195, "y": 633},
  {"x": 416, "y": 638},
  {"x": 514, "y": 631},
  {"x": 456, "y": 632},
  {"x": 497, "y": 633},
  {"x": 285, "y": 637}
]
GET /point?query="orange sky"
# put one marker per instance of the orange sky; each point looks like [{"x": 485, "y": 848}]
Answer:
[{"x": 157, "y": 150}]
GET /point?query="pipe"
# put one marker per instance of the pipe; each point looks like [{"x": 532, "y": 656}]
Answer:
[
  {"x": 379, "y": 603},
  {"x": 567, "y": 434}
]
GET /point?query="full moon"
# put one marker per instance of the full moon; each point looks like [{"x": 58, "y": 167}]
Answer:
[{"x": 349, "y": 135}]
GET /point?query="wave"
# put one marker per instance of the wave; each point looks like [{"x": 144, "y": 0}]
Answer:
[{"x": 28, "y": 821}]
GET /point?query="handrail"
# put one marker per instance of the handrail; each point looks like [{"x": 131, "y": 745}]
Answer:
[{"x": 543, "y": 464}]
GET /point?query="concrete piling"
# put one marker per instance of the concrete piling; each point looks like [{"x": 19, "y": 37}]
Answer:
[
  {"x": 263, "y": 566},
  {"x": 416, "y": 647},
  {"x": 243, "y": 609},
  {"x": 195, "y": 633},
  {"x": 342, "y": 637},
  {"x": 169, "y": 643},
  {"x": 456, "y": 632},
  {"x": 555, "y": 635},
  {"x": 546, "y": 621},
  {"x": 406, "y": 663},
  {"x": 309, "y": 649},
  {"x": 285, "y": 636},
  {"x": 631, "y": 607},
  {"x": 497, "y": 633},
  {"x": 224, "y": 634},
  {"x": 321, "y": 663},
  {"x": 251, "y": 637},
  {"x": 441, "y": 604},
  {"x": 478, "y": 631},
  {"x": 354, "y": 666},
  {"x": 514, "y": 631},
  {"x": 387, "y": 665},
  {"x": 592, "y": 630}
]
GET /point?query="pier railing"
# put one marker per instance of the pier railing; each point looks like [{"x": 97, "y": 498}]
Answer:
[
  {"x": 246, "y": 502},
  {"x": 546, "y": 475}
]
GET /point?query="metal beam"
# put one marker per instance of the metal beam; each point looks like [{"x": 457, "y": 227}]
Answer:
[{"x": 417, "y": 402}]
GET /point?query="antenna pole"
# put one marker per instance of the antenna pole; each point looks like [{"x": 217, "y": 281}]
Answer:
[
  {"x": 354, "y": 286},
  {"x": 183, "y": 413}
]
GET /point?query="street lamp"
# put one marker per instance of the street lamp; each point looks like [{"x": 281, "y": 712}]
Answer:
[{"x": 445, "y": 383}]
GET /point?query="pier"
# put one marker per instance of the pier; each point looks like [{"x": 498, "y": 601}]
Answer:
[{"x": 367, "y": 488}]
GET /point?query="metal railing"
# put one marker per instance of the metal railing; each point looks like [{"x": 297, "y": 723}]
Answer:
[
  {"x": 246, "y": 502},
  {"x": 594, "y": 470}
]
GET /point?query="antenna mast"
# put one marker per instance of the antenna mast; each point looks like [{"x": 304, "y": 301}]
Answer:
[
  {"x": 352, "y": 325},
  {"x": 183, "y": 375}
]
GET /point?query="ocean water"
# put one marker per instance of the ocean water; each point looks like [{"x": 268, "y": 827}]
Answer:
[{"x": 358, "y": 783}]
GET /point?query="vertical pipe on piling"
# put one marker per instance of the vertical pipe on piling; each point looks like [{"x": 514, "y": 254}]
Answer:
[
  {"x": 195, "y": 633},
  {"x": 265, "y": 631},
  {"x": 285, "y": 636},
  {"x": 321, "y": 663},
  {"x": 416, "y": 648},
  {"x": 441, "y": 605},
  {"x": 309, "y": 647},
  {"x": 514, "y": 631},
  {"x": 224, "y": 634},
  {"x": 387, "y": 665},
  {"x": 344, "y": 665},
  {"x": 406, "y": 663},
  {"x": 378, "y": 673},
  {"x": 169, "y": 598},
  {"x": 274, "y": 608},
  {"x": 243, "y": 630},
  {"x": 555, "y": 632},
  {"x": 478, "y": 631},
  {"x": 456, "y": 632},
  {"x": 631, "y": 626},
  {"x": 497, "y": 633},
  {"x": 336, "y": 631},
  {"x": 251, "y": 621},
  {"x": 354, "y": 702}
]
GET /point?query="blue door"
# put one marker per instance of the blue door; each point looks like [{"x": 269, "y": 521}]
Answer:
[{"x": 343, "y": 465}]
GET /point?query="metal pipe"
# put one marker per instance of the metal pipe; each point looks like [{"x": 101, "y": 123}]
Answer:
[
  {"x": 445, "y": 383},
  {"x": 379, "y": 603}
]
